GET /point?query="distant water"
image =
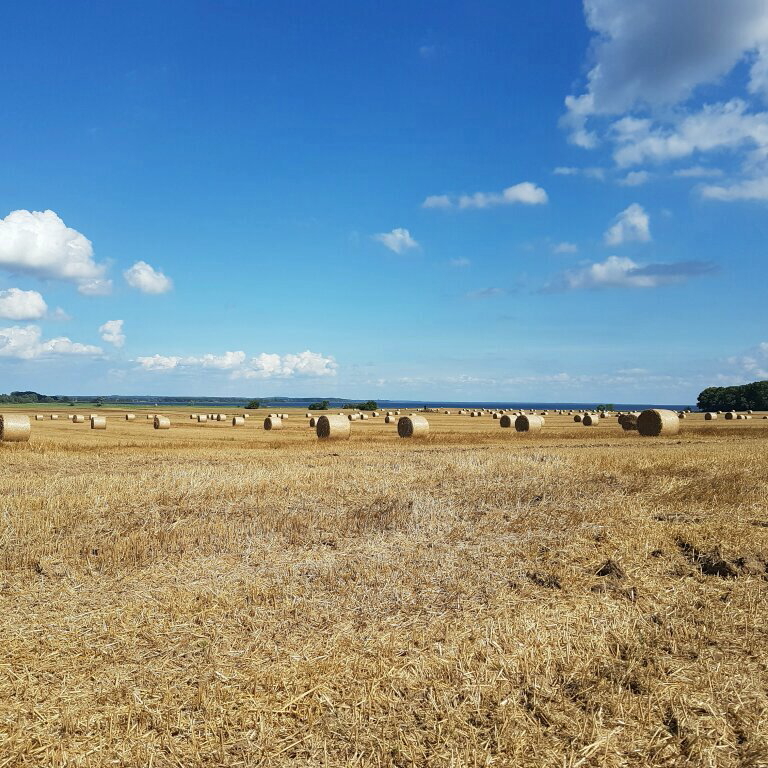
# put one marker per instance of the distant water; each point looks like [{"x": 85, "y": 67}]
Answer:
[{"x": 415, "y": 404}]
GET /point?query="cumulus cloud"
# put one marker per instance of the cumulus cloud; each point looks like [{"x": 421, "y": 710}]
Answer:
[
  {"x": 524, "y": 193},
  {"x": 622, "y": 272},
  {"x": 271, "y": 366},
  {"x": 398, "y": 240},
  {"x": 635, "y": 179},
  {"x": 651, "y": 62},
  {"x": 147, "y": 279},
  {"x": 27, "y": 343},
  {"x": 39, "y": 243},
  {"x": 16, "y": 304},
  {"x": 263, "y": 366},
  {"x": 112, "y": 332},
  {"x": 749, "y": 189},
  {"x": 632, "y": 224}
]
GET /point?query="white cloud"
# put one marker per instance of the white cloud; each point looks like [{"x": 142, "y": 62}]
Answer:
[
  {"x": 147, "y": 279},
  {"x": 270, "y": 366},
  {"x": 158, "y": 362},
  {"x": 656, "y": 52},
  {"x": 398, "y": 240},
  {"x": 16, "y": 304},
  {"x": 591, "y": 172},
  {"x": 524, "y": 193},
  {"x": 95, "y": 287},
  {"x": 697, "y": 172},
  {"x": 635, "y": 179},
  {"x": 437, "y": 201},
  {"x": 622, "y": 272},
  {"x": 263, "y": 366},
  {"x": 39, "y": 243},
  {"x": 565, "y": 248},
  {"x": 112, "y": 332},
  {"x": 754, "y": 364},
  {"x": 651, "y": 62},
  {"x": 632, "y": 224},
  {"x": 749, "y": 189},
  {"x": 26, "y": 343}
]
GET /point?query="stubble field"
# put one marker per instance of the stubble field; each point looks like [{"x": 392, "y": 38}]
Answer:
[{"x": 219, "y": 596}]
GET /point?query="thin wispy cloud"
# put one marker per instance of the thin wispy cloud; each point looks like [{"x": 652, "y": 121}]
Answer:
[
  {"x": 524, "y": 193},
  {"x": 398, "y": 240}
]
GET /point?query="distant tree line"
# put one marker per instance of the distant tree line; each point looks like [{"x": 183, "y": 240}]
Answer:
[
  {"x": 752, "y": 396},
  {"x": 30, "y": 397}
]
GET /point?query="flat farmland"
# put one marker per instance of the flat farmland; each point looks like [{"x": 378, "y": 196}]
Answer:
[{"x": 214, "y": 595}]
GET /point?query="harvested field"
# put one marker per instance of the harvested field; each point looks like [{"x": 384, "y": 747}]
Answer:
[{"x": 209, "y": 596}]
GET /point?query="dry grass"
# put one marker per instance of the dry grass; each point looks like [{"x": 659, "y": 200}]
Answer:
[{"x": 214, "y": 597}]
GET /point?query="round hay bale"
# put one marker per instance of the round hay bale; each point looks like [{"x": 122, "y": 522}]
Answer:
[
  {"x": 150, "y": 416},
  {"x": 747, "y": 416},
  {"x": 590, "y": 420},
  {"x": 273, "y": 422},
  {"x": 389, "y": 413},
  {"x": 130, "y": 416},
  {"x": 222, "y": 417},
  {"x": 739, "y": 416},
  {"x": 495, "y": 415},
  {"x": 353, "y": 416},
  {"x": 238, "y": 421},
  {"x": 307, "y": 415},
  {"x": 283, "y": 415},
  {"x": 192, "y": 416},
  {"x": 161, "y": 422},
  {"x": 39, "y": 417},
  {"x": 78, "y": 418},
  {"x": 363, "y": 417},
  {"x": 603, "y": 415},
  {"x": 528, "y": 423},
  {"x": 390, "y": 419},
  {"x": 577, "y": 417},
  {"x": 98, "y": 422},
  {"x": 71, "y": 416},
  {"x": 54, "y": 417},
  {"x": 729, "y": 415},
  {"x": 750, "y": 411},
  {"x": 709, "y": 416},
  {"x": 313, "y": 421},
  {"x": 14, "y": 428},
  {"x": 446, "y": 413},
  {"x": 333, "y": 427},
  {"x": 202, "y": 417},
  {"x": 93, "y": 416},
  {"x": 412, "y": 426},
  {"x": 628, "y": 422},
  {"x": 506, "y": 421},
  {"x": 682, "y": 415},
  {"x": 246, "y": 416},
  {"x": 374, "y": 414},
  {"x": 658, "y": 421}
]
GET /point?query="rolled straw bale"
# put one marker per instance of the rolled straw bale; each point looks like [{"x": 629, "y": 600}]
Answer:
[
  {"x": 628, "y": 422},
  {"x": 709, "y": 416},
  {"x": 78, "y": 418},
  {"x": 130, "y": 416},
  {"x": 603, "y": 415},
  {"x": 71, "y": 416},
  {"x": 658, "y": 421},
  {"x": 39, "y": 417},
  {"x": 749, "y": 411},
  {"x": 150, "y": 416},
  {"x": 765, "y": 417},
  {"x": 363, "y": 416},
  {"x": 397, "y": 413},
  {"x": 739, "y": 416},
  {"x": 246, "y": 416},
  {"x": 390, "y": 419},
  {"x": 473, "y": 414},
  {"x": 307, "y": 415},
  {"x": 283, "y": 415},
  {"x": 529, "y": 423},
  {"x": 729, "y": 415},
  {"x": 98, "y": 422},
  {"x": 93, "y": 416},
  {"x": 192, "y": 416},
  {"x": 447, "y": 413},
  {"x": 577, "y": 417},
  {"x": 590, "y": 420},
  {"x": 506, "y": 421},
  {"x": 682, "y": 415},
  {"x": 238, "y": 421},
  {"x": 389, "y": 413},
  {"x": 161, "y": 422},
  {"x": 353, "y": 416},
  {"x": 495, "y": 415},
  {"x": 221, "y": 417},
  {"x": 375, "y": 414},
  {"x": 14, "y": 428},
  {"x": 748, "y": 416},
  {"x": 273, "y": 422},
  {"x": 412, "y": 426},
  {"x": 313, "y": 421},
  {"x": 333, "y": 428},
  {"x": 54, "y": 416},
  {"x": 202, "y": 417}
]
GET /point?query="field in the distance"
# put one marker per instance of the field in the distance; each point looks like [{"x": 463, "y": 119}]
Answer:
[{"x": 219, "y": 596}]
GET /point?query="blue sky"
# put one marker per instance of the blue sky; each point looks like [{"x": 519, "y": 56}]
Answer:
[{"x": 486, "y": 200}]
